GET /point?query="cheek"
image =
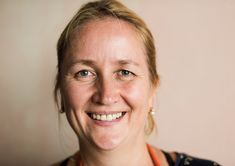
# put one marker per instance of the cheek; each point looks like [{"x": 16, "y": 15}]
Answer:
[
  {"x": 137, "y": 95},
  {"x": 76, "y": 96}
]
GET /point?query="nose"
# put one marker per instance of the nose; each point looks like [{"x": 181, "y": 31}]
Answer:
[{"x": 106, "y": 92}]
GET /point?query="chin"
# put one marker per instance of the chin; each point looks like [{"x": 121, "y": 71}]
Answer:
[
  {"x": 107, "y": 145},
  {"x": 107, "y": 142}
]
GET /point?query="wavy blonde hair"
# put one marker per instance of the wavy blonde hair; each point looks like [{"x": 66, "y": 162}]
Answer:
[{"x": 98, "y": 10}]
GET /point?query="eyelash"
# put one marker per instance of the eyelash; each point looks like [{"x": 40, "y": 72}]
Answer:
[
  {"x": 80, "y": 74},
  {"x": 125, "y": 73},
  {"x": 86, "y": 75}
]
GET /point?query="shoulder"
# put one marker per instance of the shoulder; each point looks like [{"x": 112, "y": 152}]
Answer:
[
  {"x": 185, "y": 159},
  {"x": 181, "y": 159}
]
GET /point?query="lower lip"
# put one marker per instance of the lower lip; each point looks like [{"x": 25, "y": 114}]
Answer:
[{"x": 107, "y": 123}]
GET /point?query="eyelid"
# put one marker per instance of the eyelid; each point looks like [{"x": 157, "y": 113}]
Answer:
[
  {"x": 123, "y": 77},
  {"x": 78, "y": 67},
  {"x": 91, "y": 75},
  {"x": 84, "y": 70},
  {"x": 127, "y": 71}
]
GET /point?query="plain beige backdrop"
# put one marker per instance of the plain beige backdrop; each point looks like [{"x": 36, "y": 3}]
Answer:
[{"x": 195, "y": 103}]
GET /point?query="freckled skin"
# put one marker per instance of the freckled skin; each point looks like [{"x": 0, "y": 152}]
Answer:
[{"x": 105, "y": 43}]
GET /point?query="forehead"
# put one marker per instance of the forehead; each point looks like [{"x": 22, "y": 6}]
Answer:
[
  {"x": 107, "y": 34},
  {"x": 105, "y": 27}
]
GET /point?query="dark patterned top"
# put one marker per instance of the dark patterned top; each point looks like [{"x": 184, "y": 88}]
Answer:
[
  {"x": 186, "y": 160},
  {"x": 181, "y": 160}
]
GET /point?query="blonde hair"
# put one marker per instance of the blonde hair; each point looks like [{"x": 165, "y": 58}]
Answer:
[{"x": 98, "y": 10}]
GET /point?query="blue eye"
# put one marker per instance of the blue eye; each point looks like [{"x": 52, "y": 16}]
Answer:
[
  {"x": 125, "y": 75},
  {"x": 84, "y": 75},
  {"x": 125, "y": 72}
]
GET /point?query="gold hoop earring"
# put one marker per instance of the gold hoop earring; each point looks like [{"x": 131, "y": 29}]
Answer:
[{"x": 150, "y": 125}]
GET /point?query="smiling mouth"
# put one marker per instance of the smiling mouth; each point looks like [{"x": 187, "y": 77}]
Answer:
[{"x": 106, "y": 117}]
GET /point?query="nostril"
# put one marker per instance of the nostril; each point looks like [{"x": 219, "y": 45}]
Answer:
[
  {"x": 106, "y": 90},
  {"x": 105, "y": 98}
]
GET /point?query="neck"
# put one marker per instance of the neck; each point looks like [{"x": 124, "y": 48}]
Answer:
[{"x": 133, "y": 153}]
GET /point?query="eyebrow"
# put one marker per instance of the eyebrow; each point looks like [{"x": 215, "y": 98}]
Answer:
[
  {"x": 92, "y": 62},
  {"x": 127, "y": 62},
  {"x": 83, "y": 61}
]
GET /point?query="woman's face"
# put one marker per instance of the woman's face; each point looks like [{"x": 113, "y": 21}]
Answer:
[{"x": 106, "y": 86}]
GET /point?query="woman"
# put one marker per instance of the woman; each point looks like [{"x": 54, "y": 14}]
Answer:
[{"x": 106, "y": 84}]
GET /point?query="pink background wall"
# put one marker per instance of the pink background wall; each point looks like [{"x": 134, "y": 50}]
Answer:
[{"x": 196, "y": 61}]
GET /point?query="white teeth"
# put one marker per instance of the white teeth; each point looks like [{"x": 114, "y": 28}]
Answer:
[
  {"x": 103, "y": 117},
  {"x": 94, "y": 116},
  {"x": 114, "y": 116},
  {"x": 106, "y": 117},
  {"x": 109, "y": 117}
]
